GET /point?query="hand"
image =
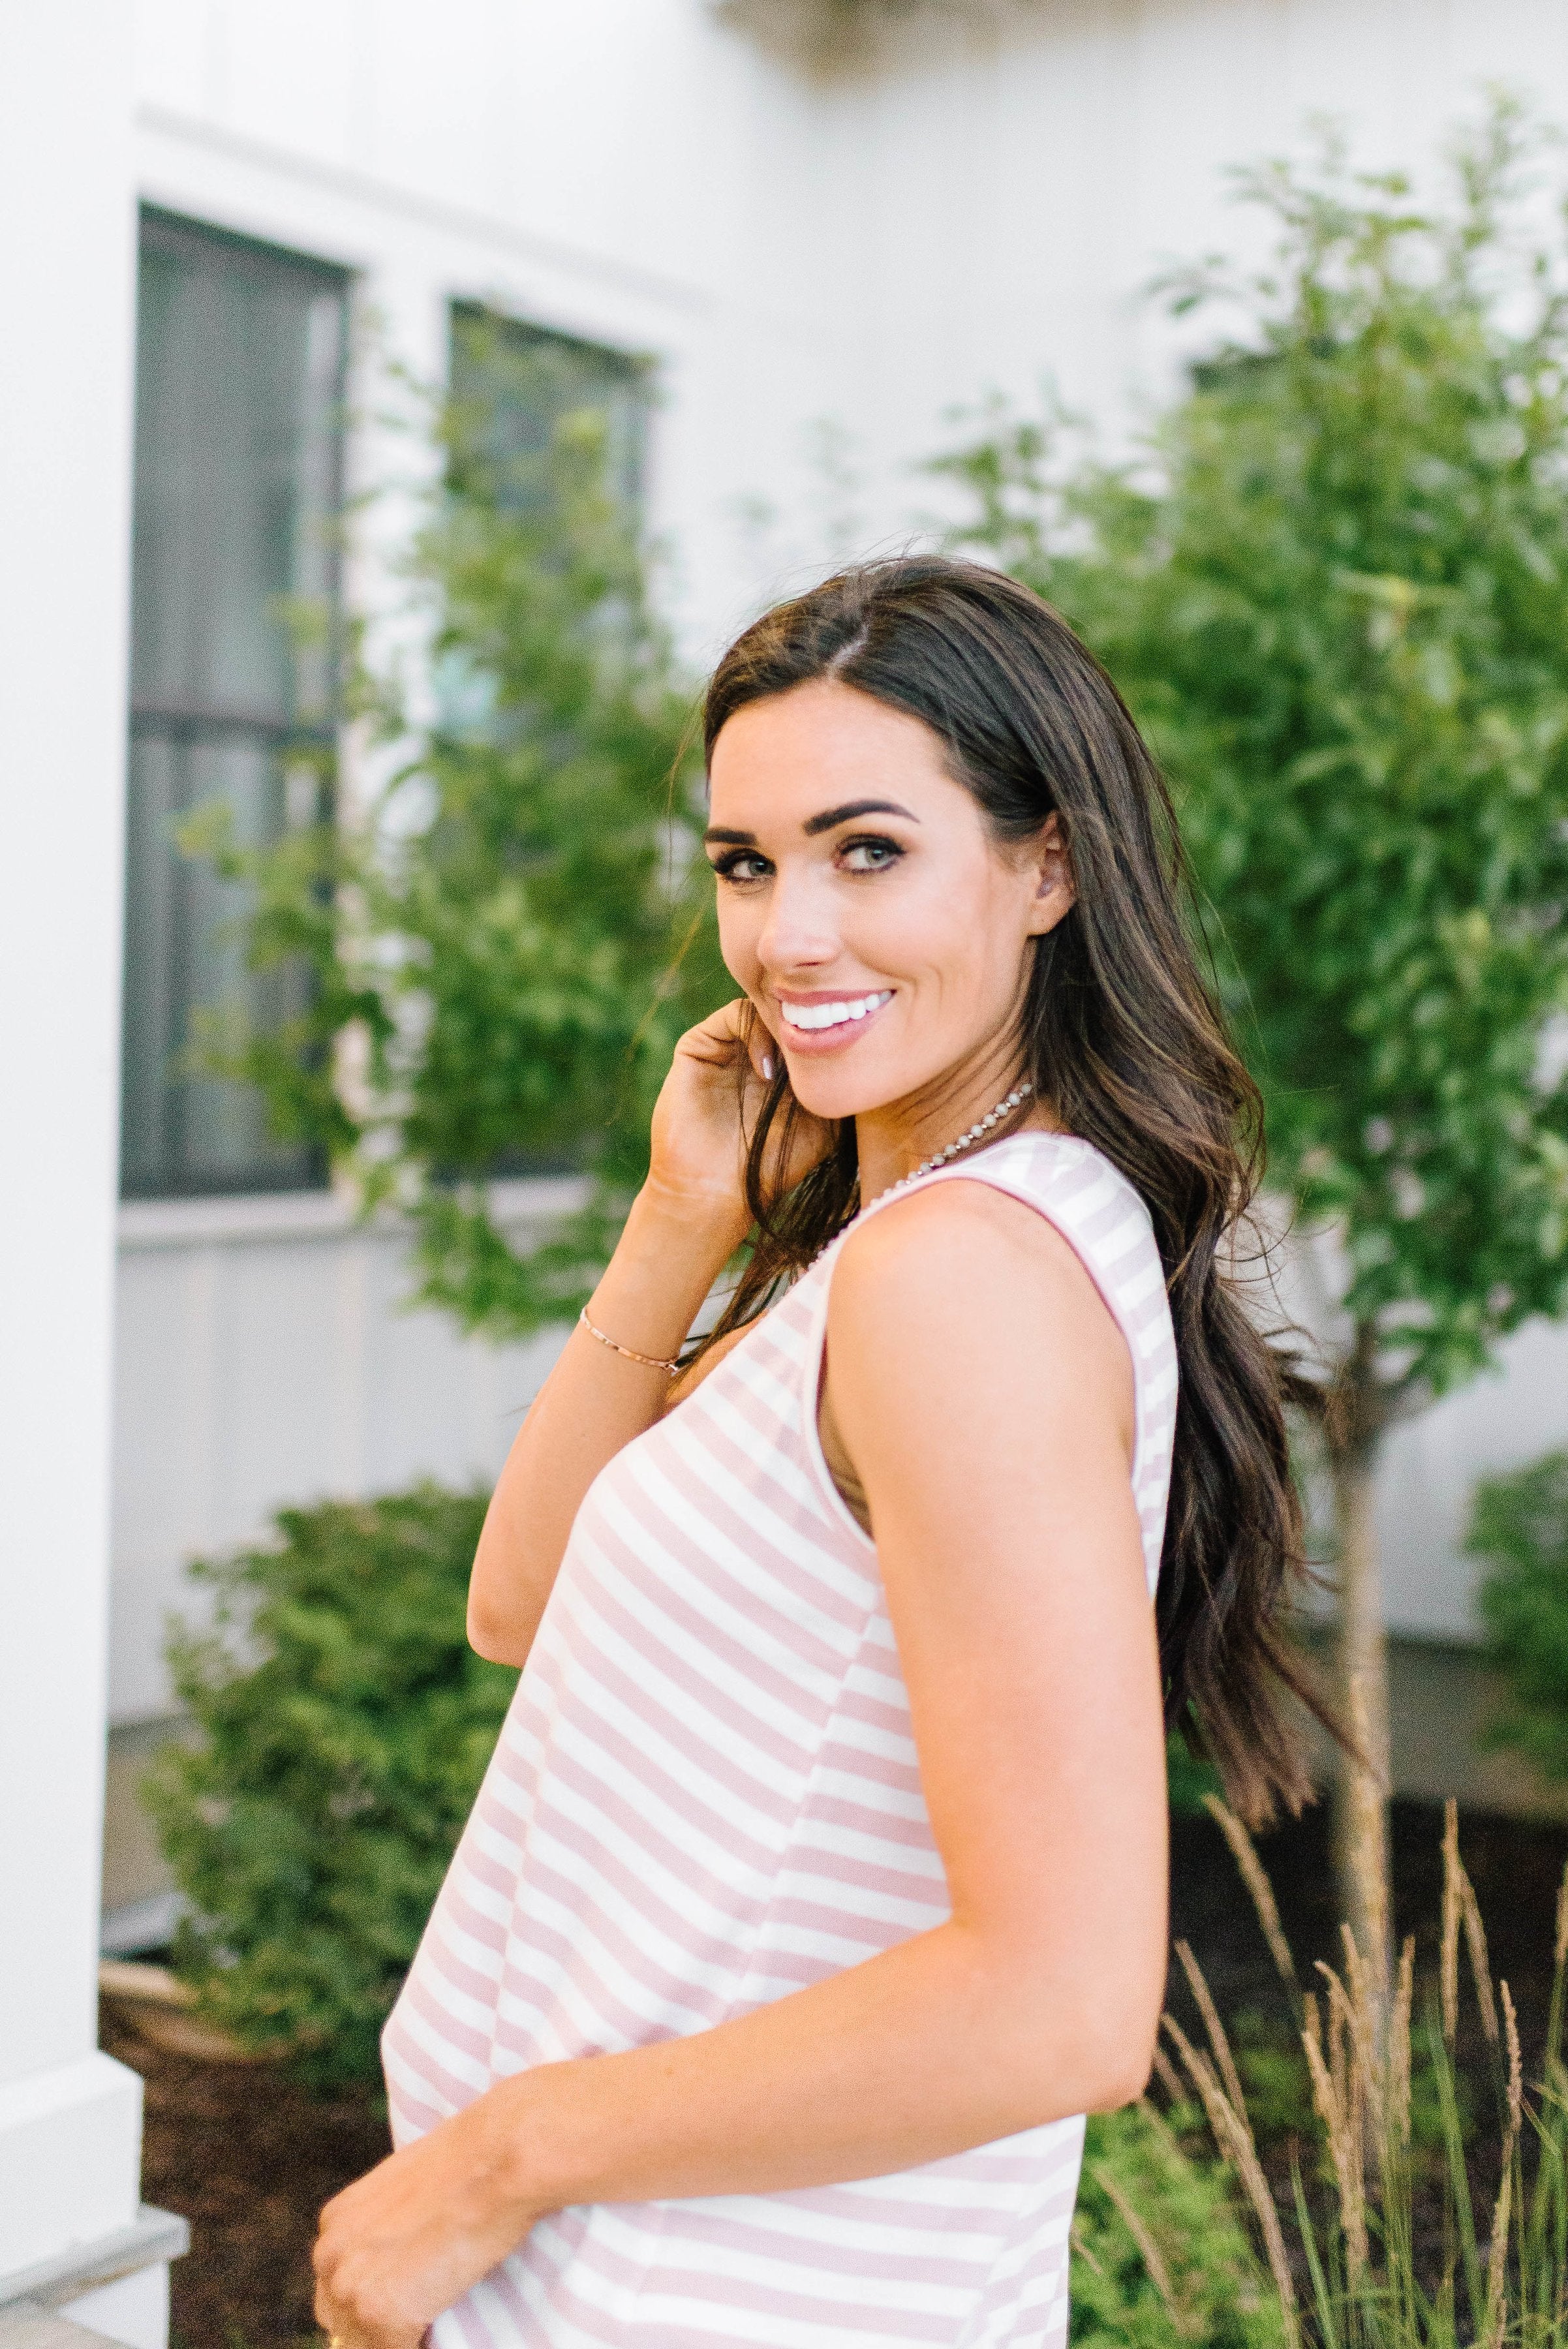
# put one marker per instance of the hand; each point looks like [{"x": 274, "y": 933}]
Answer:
[
  {"x": 707, "y": 1110},
  {"x": 404, "y": 2242}
]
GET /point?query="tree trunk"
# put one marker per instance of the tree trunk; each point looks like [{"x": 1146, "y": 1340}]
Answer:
[{"x": 1352, "y": 1431}]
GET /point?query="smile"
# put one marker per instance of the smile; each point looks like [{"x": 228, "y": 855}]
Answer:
[{"x": 817, "y": 1016}]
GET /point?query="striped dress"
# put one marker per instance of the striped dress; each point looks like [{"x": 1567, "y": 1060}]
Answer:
[{"x": 705, "y": 1797}]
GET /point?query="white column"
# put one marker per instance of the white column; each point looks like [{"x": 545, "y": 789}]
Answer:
[{"x": 70, "y": 2120}]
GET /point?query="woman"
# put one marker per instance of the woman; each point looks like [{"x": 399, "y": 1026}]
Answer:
[{"x": 816, "y": 1889}]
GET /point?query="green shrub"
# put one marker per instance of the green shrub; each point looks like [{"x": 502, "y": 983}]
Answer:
[
  {"x": 1193, "y": 2276},
  {"x": 1519, "y": 1528},
  {"x": 343, "y": 1726}
]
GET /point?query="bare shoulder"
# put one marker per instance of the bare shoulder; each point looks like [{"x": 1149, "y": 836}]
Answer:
[
  {"x": 963, "y": 1236},
  {"x": 960, "y": 1265}
]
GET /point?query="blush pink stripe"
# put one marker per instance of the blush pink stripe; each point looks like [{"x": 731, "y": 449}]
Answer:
[{"x": 705, "y": 1797}]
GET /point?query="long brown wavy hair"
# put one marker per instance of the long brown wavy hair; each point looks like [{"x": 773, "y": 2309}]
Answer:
[{"x": 1123, "y": 1037}]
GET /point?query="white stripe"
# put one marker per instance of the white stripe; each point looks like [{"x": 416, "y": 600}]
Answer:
[{"x": 724, "y": 1674}]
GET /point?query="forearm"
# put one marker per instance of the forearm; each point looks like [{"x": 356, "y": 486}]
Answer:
[
  {"x": 946, "y": 2042},
  {"x": 593, "y": 1403}
]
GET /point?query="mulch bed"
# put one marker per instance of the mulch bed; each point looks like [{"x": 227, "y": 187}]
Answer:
[{"x": 249, "y": 2160}]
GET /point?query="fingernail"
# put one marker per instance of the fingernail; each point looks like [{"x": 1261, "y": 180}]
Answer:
[{"x": 768, "y": 1065}]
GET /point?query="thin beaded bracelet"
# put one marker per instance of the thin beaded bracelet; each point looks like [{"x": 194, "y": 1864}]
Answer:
[{"x": 648, "y": 1361}]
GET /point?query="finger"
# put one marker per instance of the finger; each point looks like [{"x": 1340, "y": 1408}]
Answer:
[
  {"x": 755, "y": 1034},
  {"x": 734, "y": 1029},
  {"x": 728, "y": 1025},
  {"x": 344, "y": 2328},
  {"x": 718, "y": 1035}
]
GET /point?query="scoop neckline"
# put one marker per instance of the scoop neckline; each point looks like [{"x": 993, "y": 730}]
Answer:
[{"x": 969, "y": 1158}]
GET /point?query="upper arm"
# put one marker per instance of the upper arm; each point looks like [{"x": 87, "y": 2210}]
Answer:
[{"x": 985, "y": 1395}]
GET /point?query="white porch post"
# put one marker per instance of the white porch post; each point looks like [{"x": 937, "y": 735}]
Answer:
[{"x": 73, "y": 2237}]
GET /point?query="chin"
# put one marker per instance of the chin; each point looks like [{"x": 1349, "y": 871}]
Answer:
[{"x": 829, "y": 1093}]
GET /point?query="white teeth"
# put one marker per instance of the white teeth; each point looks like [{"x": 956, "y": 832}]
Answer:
[{"x": 833, "y": 1015}]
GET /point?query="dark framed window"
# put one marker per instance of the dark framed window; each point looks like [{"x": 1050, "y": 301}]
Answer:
[
  {"x": 241, "y": 355},
  {"x": 522, "y": 379},
  {"x": 511, "y": 384}
]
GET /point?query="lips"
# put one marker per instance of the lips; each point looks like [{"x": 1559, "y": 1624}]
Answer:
[{"x": 842, "y": 1013}]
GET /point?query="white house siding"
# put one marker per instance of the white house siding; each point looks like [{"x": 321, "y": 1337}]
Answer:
[
  {"x": 1011, "y": 174},
  {"x": 970, "y": 198},
  {"x": 267, "y": 1353}
]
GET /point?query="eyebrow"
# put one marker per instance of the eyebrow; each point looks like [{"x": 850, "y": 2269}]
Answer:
[{"x": 719, "y": 835}]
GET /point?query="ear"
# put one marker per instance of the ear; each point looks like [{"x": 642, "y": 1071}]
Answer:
[{"x": 1052, "y": 868}]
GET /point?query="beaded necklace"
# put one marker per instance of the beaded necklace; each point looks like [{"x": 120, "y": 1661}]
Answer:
[{"x": 977, "y": 1132}]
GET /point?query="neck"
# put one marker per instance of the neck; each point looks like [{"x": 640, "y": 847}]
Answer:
[{"x": 896, "y": 1139}]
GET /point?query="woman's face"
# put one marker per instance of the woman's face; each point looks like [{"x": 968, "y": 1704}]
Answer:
[{"x": 864, "y": 906}]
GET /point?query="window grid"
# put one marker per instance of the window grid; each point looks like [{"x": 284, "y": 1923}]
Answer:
[{"x": 241, "y": 361}]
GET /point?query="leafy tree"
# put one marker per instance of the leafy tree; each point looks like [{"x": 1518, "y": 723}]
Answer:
[
  {"x": 503, "y": 951},
  {"x": 1333, "y": 586}
]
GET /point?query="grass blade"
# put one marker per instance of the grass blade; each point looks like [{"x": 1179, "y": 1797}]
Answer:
[
  {"x": 1449, "y": 1964},
  {"x": 1323, "y": 2301},
  {"x": 1244, "y": 1853}
]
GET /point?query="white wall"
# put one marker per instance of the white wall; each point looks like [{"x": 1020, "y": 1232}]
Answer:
[
  {"x": 64, "y": 499},
  {"x": 69, "y": 2117},
  {"x": 973, "y": 195},
  {"x": 267, "y": 1354},
  {"x": 1012, "y": 173},
  {"x": 627, "y": 169}
]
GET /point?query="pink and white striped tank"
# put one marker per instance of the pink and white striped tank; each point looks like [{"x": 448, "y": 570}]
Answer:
[{"x": 705, "y": 1797}]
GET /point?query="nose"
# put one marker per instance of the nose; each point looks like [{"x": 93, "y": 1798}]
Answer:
[{"x": 799, "y": 933}]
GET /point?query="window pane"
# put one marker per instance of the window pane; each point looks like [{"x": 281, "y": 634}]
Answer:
[
  {"x": 239, "y": 365},
  {"x": 193, "y": 1133},
  {"x": 511, "y": 385},
  {"x": 523, "y": 380},
  {"x": 151, "y": 1017},
  {"x": 238, "y": 448}
]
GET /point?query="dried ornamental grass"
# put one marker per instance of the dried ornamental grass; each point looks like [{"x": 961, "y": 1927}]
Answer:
[{"x": 1345, "y": 2273}]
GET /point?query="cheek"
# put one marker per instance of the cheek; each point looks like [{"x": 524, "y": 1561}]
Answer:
[
  {"x": 738, "y": 925},
  {"x": 953, "y": 925},
  {"x": 974, "y": 955}
]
